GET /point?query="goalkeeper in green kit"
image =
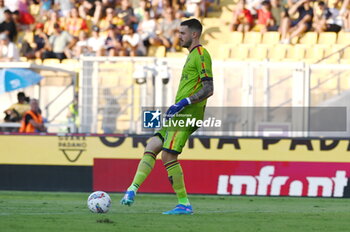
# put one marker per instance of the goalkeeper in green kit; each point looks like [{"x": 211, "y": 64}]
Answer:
[{"x": 196, "y": 85}]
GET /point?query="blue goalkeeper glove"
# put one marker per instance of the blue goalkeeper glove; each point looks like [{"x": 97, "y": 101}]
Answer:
[{"x": 176, "y": 108}]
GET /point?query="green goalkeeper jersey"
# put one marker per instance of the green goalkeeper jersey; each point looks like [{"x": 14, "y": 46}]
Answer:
[{"x": 196, "y": 69}]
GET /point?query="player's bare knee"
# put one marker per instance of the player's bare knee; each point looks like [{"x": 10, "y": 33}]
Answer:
[
  {"x": 167, "y": 157},
  {"x": 155, "y": 144}
]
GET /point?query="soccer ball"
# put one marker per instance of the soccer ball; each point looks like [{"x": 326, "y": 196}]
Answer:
[{"x": 99, "y": 202}]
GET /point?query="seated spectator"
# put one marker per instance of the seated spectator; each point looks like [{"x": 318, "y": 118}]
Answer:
[
  {"x": 22, "y": 17},
  {"x": 74, "y": 24},
  {"x": 325, "y": 20},
  {"x": 167, "y": 33},
  {"x": 8, "y": 26},
  {"x": 8, "y": 50},
  {"x": 59, "y": 44},
  {"x": 91, "y": 10},
  {"x": 131, "y": 41},
  {"x": 242, "y": 18},
  {"x": 81, "y": 47},
  {"x": 126, "y": 13},
  {"x": 293, "y": 28},
  {"x": 110, "y": 19},
  {"x": 265, "y": 19},
  {"x": 278, "y": 12},
  {"x": 147, "y": 28},
  {"x": 139, "y": 12},
  {"x": 49, "y": 25},
  {"x": 32, "y": 120},
  {"x": 16, "y": 111},
  {"x": 96, "y": 42},
  {"x": 33, "y": 43},
  {"x": 39, "y": 40},
  {"x": 113, "y": 42},
  {"x": 193, "y": 8},
  {"x": 335, "y": 21}
]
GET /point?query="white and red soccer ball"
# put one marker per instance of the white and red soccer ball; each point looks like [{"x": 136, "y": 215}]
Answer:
[{"x": 99, "y": 202}]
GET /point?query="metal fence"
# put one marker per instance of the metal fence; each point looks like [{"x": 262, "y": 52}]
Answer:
[{"x": 112, "y": 92}]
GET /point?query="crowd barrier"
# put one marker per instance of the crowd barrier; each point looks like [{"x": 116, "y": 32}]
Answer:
[{"x": 212, "y": 165}]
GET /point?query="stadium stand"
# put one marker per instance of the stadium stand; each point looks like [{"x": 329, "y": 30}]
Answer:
[
  {"x": 327, "y": 38},
  {"x": 235, "y": 45}
]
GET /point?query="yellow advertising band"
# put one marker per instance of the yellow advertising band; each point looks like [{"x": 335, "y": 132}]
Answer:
[{"x": 81, "y": 150}]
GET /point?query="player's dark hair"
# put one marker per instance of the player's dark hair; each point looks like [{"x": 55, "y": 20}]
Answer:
[{"x": 193, "y": 24}]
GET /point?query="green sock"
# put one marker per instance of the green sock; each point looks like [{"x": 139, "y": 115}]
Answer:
[
  {"x": 176, "y": 178},
  {"x": 143, "y": 170}
]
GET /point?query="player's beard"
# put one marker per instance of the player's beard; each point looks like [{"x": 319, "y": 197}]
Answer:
[{"x": 187, "y": 44}]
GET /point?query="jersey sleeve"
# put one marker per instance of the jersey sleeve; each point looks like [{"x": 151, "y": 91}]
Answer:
[{"x": 203, "y": 64}]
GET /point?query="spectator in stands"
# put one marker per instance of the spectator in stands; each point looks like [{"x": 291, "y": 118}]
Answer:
[
  {"x": 278, "y": 12},
  {"x": 167, "y": 33},
  {"x": 265, "y": 19},
  {"x": 82, "y": 47},
  {"x": 325, "y": 20},
  {"x": 293, "y": 28},
  {"x": 147, "y": 28},
  {"x": 91, "y": 9},
  {"x": 59, "y": 44},
  {"x": 96, "y": 42},
  {"x": 139, "y": 12},
  {"x": 108, "y": 4},
  {"x": 242, "y": 18},
  {"x": 193, "y": 8},
  {"x": 21, "y": 23},
  {"x": 64, "y": 6},
  {"x": 110, "y": 19},
  {"x": 131, "y": 41},
  {"x": 179, "y": 5},
  {"x": 24, "y": 17},
  {"x": 39, "y": 40},
  {"x": 345, "y": 14},
  {"x": 48, "y": 26},
  {"x": 158, "y": 6},
  {"x": 74, "y": 24},
  {"x": 16, "y": 111},
  {"x": 2, "y": 10},
  {"x": 33, "y": 42},
  {"x": 32, "y": 120},
  {"x": 8, "y": 26},
  {"x": 16, "y": 20},
  {"x": 113, "y": 42},
  {"x": 335, "y": 18},
  {"x": 8, "y": 50},
  {"x": 126, "y": 12}
]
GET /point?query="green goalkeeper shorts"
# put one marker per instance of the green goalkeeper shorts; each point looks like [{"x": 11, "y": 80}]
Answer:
[
  {"x": 174, "y": 136},
  {"x": 174, "y": 140}
]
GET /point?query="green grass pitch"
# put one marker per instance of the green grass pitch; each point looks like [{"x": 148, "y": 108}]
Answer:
[{"x": 68, "y": 212}]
